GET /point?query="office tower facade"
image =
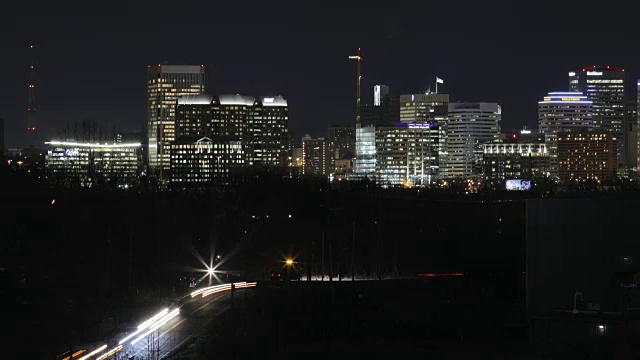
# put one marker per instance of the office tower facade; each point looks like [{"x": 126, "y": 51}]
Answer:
[
  {"x": 429, "y": 109},
  {"x": 404, "y": 155},
  {"x": 165, "y": 83},
  {"x": 217, "y": 115},
  {"x": 469, "y": 125},
  {"x": 343, "y": 139},
  {"x": 316, "y": 157},
  {"x": 561, "y": 111},
  {"x": 364, "y": 165},
  {"x": 269, "y": 132},
  {"x": 92, "y": 164},
  {"x": 605, "y": 87},
  {"x": 201, "y": 162},
  {"x": 512, "y": 156},
  {"x": 587, "y": 156},
  {"x": 380, "y": 92},
  {"x": 424, "y": 107},
  {"x": 260, "y": 123}
]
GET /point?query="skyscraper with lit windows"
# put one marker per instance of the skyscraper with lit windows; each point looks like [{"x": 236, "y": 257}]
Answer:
[
  {"x": 165, "y": 83},
  {"x": 605, "y": 87},
  {"x": 562, "y": 111}
]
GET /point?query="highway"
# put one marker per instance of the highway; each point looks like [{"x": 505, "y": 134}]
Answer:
[{"x": 171, "y": 329}]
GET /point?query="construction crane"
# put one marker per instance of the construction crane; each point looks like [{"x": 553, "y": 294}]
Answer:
[
  {"x": 358, "y": 58},
  {"x": 31, "y": 94}
]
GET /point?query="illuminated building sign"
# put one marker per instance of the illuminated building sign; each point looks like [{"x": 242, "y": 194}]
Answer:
[
  {"x": 571, "y": 99},
  {"x": 268, "y": 100},
  {"x": 594, "y": 73},
  {"x": 518, "y": 184},
  {"x": 547, "y": 99},
  {"x": 525, "y": 131},
  {"x": 572, "y": 73}
]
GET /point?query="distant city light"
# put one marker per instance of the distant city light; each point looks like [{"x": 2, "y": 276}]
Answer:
[{"x": 64, "y": 143}]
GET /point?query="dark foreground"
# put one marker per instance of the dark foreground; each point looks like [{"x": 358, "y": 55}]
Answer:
[
  {"x": 436, "y": 317},
  {"x": 433, "y": 318}
]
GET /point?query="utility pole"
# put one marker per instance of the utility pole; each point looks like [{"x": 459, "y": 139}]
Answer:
[
  {"x": 309, "y": 246},
  {"x": 358, "y": 58},
  {"x": 331, "y": 274},
  {"x": 130, "y": 261},
  {"x": 322, "y": 264},
  {"x": 353, "y": 253}
]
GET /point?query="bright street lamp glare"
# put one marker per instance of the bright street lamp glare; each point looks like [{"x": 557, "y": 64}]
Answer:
[
  {"x": 210, "y": 271},
  {"x": 289, "y": 262}
]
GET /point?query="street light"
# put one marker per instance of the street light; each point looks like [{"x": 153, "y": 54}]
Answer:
[{"x": 289, "y": 262}]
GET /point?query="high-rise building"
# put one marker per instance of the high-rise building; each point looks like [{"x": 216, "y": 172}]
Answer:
[
  {"x": 428, "y": 108},
  {"x": 404, "y": 155},
  {"x": 364, "y": 165},
  {"x": 469, "y": 125},
  {"x": 260, "y": 123},
  {"x": 204, "y": 163},
  {"x": 561, "y": 111},
  {"x": 219, "y": 115},
  {"x": 513, "y": 156},
  {"x": 605, "y": 87},
  {"x": 587, "y": 156},
  {"x": 269, "y": 132},
  {"x": 343, "y": 138},
  {"x": 380, "y": 92},
  {"x": 316, "y": 157},
  {"x": 165, "y": 83}
]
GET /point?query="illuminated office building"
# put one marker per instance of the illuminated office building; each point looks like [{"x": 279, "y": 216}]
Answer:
[
  {"x": 513, "y": 156},
  {"x": 268, "y": 132},
  {"x": 380, "y": 92},
  {"x": 165, "y": 83},
  {"x": 93, "y": 164},
  {"x": 428, "y": 108},
  {"x": 218, "y": 115},
  {"x": 404, "y": 155},
  {"x": 316, "y": 157},
  {"x": 605, "y": 87},
  {"x": 200, "y": 162},
  {"x": 562, "y": 111},
  {"x": 469, "y": 125},
  {"x": 364, "y": 165},
  {"x": 587, "y": 156},
  {"x": 260, "y": 123}
]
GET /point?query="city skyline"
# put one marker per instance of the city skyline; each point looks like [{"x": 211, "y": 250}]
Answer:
[{"x": 484, "y": 65}]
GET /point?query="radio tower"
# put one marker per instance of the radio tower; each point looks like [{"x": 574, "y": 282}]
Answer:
[
  {"x": 32, "y": 125},
  {"x": 358, "y": 58}
]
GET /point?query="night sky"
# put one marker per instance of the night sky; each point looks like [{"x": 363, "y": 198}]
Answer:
[{"x": 92, "y": 63}]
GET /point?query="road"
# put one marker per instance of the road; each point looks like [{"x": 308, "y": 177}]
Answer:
[{"x": 170, "y": 330}]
